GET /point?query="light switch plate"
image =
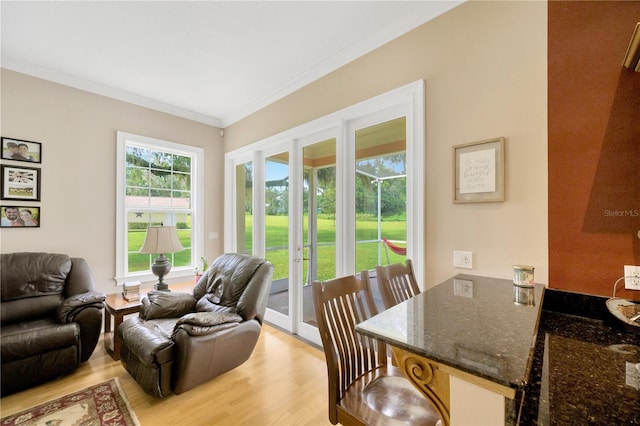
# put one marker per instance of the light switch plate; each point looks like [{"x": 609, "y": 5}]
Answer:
[{"x": 463, "y": 259}]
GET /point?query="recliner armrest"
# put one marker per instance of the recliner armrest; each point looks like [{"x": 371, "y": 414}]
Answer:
[
  {"x": 147, "y": 340},
  {"x": 74, "y": 304},
  {"x": 202, "y": 323},
  {"x": 166, "y": 304}
]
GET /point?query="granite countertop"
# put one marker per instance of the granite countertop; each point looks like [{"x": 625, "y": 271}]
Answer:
[
  {"x": 467, "y": 322},
  {"x": 569, "y": 360},
  {"x": 583, "y": 366}
]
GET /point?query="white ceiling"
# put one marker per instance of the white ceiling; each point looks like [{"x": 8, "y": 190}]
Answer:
[{"x": 210, "y": 61}]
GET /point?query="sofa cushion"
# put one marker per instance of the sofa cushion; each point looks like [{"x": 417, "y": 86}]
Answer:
[
  {"x": 32, "y": 284},
  {"x": 29, "y": 308},
  {"x": 28, "y": 338},
  {"x": 33, "y": 274}
]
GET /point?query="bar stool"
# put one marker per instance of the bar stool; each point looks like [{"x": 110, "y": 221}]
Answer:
[{"x": 363, "y": 388}]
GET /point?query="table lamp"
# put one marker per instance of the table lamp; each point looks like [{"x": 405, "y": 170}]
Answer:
[{"x": 160, "y": 240}]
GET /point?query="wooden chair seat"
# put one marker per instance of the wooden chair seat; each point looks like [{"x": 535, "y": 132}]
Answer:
[{"x": 385, "y": 397}]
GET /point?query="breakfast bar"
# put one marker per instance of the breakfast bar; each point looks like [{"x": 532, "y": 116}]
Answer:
[
  {"x": 466, "y": 344},
  {"x": 487, "y": 352}
]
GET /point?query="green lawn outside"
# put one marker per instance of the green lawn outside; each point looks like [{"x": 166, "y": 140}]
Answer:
[
  {"x": 277, "y": 235},
  {"x": 366, "y": 252}
]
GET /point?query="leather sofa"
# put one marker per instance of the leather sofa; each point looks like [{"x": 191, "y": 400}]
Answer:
[
  {"x": 51, "y": 317},
  {"x": 181, "y": 340}
]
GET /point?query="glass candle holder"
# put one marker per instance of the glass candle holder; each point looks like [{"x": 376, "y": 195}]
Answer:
[{"x": 523, "y": 275}]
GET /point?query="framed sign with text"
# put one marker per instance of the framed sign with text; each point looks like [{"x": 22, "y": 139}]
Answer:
[{"x": 478, "y": 171}]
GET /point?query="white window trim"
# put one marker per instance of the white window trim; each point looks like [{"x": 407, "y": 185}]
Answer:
[{"x": 197, "y": 220}]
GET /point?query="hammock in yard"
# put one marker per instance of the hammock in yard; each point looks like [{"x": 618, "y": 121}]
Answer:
[{"x": 388, "y": 245}]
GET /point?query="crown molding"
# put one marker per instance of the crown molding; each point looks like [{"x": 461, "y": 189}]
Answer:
[
  {"x": 101, "y": 89},
  {"x": 341, "y": 59},
  {"x": 323, "y": 68}
]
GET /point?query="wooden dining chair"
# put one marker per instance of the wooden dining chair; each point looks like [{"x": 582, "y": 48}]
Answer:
[
  {"x": 396, "y": 283},
  {"x": 364, "y": 389}
]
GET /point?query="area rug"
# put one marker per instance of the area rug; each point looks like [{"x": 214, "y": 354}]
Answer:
[{"x": 103, "y": 404}]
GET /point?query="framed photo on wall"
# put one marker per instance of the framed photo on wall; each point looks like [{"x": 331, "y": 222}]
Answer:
[
  {"x": 21, "y": 150},
  {"x": 19, "y": 216},
  {"x": 20, "y": 183},
  {"x": 478, "y": 171}
]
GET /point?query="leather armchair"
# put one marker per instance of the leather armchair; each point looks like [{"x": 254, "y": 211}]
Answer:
[
  {"x": 51, "y": 317},
  {"x": 182, "y": 340}
]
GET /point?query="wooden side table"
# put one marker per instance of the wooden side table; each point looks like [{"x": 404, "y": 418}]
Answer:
[{"x": 117, "y": 307}]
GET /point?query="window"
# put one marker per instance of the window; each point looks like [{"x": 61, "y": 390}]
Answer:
[{"x": 158, "y": 184}]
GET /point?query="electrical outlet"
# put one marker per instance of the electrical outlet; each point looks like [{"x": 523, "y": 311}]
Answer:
[
  {"x": 463, "y": 259},
  {"x": 632, "y": 282}
]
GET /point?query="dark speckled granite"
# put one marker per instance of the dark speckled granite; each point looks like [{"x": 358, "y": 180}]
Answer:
[
  {"x": 567, "y": 361},
  {"x": 468, "y": 322},
  {"x": 579, "y": 368}
]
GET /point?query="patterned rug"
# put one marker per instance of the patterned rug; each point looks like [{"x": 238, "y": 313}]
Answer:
[{"x": 103, "y": 404}]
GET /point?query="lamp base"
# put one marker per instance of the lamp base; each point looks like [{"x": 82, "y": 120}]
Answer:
[
  {"x": 161, "y": 287},
  {"x": 161, "y": 267}
]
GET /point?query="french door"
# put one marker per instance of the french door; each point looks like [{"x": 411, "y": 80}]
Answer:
[
  {"x": 294, "y": 188},
  {"x": 311, "y": 200}
]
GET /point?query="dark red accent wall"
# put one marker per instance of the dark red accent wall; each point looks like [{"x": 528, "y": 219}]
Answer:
[{"x": 594, "y": 145}]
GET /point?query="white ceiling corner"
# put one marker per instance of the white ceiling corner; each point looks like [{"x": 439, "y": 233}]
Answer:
[{"x": 214, "y": 62}]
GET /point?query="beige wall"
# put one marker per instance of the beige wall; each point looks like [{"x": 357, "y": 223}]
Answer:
[
  {"x": 485, "y": 68},
  {"x": 77, "y": 130},
  {"x": 484, "y": 64}
]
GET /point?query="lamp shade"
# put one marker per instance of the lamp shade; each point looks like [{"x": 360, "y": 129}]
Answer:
[{"x": 161, "y": 239}]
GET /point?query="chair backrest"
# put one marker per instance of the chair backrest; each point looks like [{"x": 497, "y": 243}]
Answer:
[
  {"x": 340, "y": 304},
  {"x": 396, "y": 283},
  {"x": 237, "y": 283}
]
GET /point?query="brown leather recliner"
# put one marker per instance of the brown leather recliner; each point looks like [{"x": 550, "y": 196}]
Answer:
[
  {"x": 51, "y": 317},
  {"x": 182, "y": 340}
]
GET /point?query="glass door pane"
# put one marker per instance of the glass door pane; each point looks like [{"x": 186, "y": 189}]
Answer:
[
  {"x": 244, "y": 207},
  {"x": 276, "y": 210},
  {"x": 381, "y": 194},
  {"x": 319, "y": 219}
]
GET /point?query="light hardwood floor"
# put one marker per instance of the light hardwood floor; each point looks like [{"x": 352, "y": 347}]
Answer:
[{"x": 283, "y": 383}]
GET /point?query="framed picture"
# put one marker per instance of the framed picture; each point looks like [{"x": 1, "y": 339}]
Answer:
[
  {"x": 20, "y": 150},
  {"x": 478, "y": 171},
  {"x": 19, "y": 217},
  {"x": 20, "y": 183}
]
